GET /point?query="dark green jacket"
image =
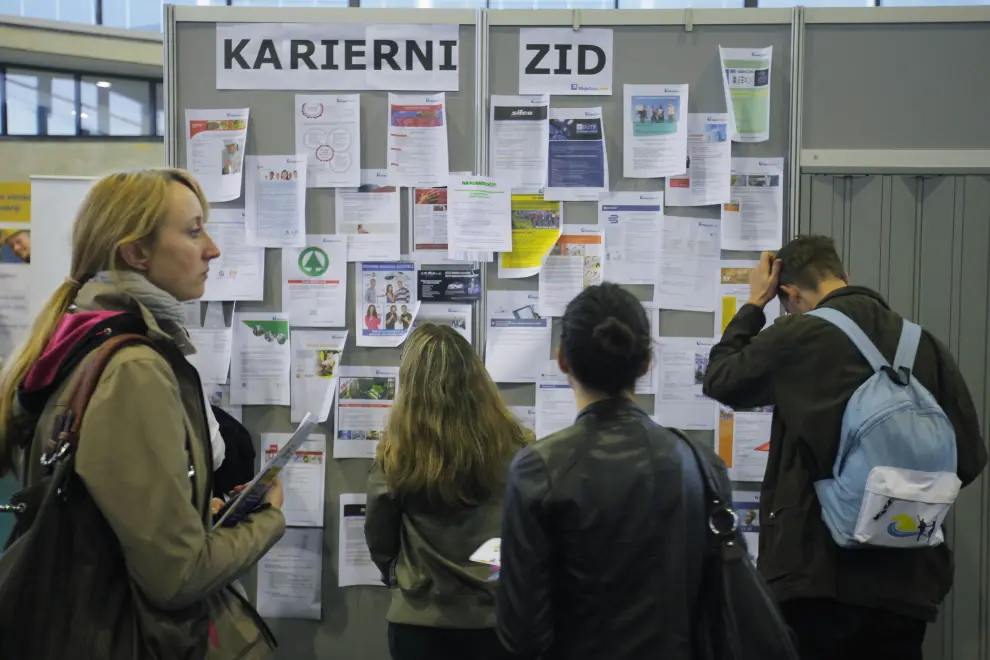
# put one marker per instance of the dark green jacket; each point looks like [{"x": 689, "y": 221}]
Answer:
[{"x": 423, "y": 556}]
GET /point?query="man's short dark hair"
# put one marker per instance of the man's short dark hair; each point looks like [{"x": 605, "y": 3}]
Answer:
[{"x": 808, "y": 261}]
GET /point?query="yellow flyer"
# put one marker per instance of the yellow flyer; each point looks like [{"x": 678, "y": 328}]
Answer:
[{"x": 536, "y": 224}]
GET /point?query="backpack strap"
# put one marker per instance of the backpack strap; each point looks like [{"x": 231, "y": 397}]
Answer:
[
  {"x": 856, "y": 335},
  {"x": 907, "y": 348},
  {"x": 65, "y": 433}
]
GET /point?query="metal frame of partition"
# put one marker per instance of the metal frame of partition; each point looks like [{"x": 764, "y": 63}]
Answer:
[{"x": 801, "y": 161}]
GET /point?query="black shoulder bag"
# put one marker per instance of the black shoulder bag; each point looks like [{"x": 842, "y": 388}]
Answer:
[
  {"x": 738, "y": 617},
  {"x": 64, "y": 587}
]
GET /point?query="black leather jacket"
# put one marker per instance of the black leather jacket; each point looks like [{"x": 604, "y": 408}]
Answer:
[{"x": 594, "y": 559}]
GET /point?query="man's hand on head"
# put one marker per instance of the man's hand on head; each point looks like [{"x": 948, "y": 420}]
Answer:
[{"x": 764, "y": 279}]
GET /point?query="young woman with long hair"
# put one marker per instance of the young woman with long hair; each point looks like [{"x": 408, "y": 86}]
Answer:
[
  {"x": 139, "y": 250},
  {"x": 435, "y": 496}
]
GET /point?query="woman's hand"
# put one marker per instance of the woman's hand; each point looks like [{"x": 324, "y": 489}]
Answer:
[
  {"x": 215, "y": 505},
  {"x": 275, "y": 495}
]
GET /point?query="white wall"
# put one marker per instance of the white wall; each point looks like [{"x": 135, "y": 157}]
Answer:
[{"x": 19, "y": 160}]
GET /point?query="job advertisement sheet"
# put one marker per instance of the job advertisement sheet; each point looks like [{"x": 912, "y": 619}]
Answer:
[
  {"x": 369, "y": 216},
  {"x": 746, "y": 504},
  {"x": 682, "y": 363},
  {"x": 388, "y": 302},
  {"x": 314, "y": 282},
  {"x": 275, "y": 201},
  {"x": 631, "y": 221},
  {"x": 215, "y": 151},
  {"x": 742, "y": 440},
  {"x": 417, "y": 140},
  {"x": 517, "y": 124},
  {"x": 364, "y": 398},
  {"x": 525, "y": 415},
  {"x": 733, "y": 292},
  {"x": 753, "y": 218},
  {"x": 654, "y": 130},
  {"x": 746, "y": 82},
  {"x": 456, "y": 316},
  {"x": 479, "y": 216},
  {"x": 290, "y": 576},
  {"x": 577, "y": 165},
  {"x": 260, "y": 358},
  {"x": 555, "y": 402},
  {"x": 516, "y": 348},
  {"x": 316, "y": 356},
  {"x": 239, "y": 272},
  {"x": 328, "y": 131},
  {"x": 354, "y": 565},
  {"x": 709, "y": 162},
  {"x": 536, "y": 226},
  {"x": 689, "y": 253},
  {"x": 303, "y": 478},
  {"x": 575, "y": 262}
]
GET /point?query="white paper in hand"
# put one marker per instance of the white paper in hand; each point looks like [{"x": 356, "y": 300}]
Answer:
[{"x": 489, "y": 553}]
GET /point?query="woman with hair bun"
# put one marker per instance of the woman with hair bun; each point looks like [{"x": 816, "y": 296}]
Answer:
[{"x": 595, "y": 561}]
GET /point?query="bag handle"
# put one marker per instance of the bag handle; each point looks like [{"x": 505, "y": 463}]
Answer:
[
  {"x": 723, "y": 521},
  {"x": 65, "y": 434}
]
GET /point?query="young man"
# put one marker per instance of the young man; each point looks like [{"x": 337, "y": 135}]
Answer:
[
  {"x": 402, "y": 294},
  {"x": 840, "y": 602}
]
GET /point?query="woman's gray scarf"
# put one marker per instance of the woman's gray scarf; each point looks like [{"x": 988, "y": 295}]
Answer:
[{"x": 163, "y": 306}]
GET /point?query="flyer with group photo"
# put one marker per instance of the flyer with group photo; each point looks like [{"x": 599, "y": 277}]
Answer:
[{"x": 388, "y": 303}]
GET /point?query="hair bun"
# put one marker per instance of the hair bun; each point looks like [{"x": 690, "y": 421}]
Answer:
[{"x": 615, "y": 337}]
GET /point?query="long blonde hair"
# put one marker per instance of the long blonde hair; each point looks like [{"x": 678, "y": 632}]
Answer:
[
  {"x": 120, "y": 209},
  {"x": 449, "y": 437}
]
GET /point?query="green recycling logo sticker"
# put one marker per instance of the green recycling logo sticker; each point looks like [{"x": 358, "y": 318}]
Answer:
[{"x": 313, "y": 262}]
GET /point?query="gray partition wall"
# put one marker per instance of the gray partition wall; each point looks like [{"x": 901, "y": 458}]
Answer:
[
  {"x": 651, "y": 47},
  {"x": 353, "y": 623},
  {"x": 895, "y": 165}
]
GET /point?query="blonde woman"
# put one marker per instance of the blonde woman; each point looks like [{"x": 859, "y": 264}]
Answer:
[
  {"x": 435, "y": 495},
  {"x": 139, "y": 249}
]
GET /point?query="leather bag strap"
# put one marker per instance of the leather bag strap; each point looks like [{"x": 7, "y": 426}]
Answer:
[{"x": 65, "y": 435}]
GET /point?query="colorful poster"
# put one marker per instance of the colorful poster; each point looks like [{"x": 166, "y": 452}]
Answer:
[
  {"x": 742, "y": 440},
  {"x": 364, "y": 397},
  {"x": 733, "y": 293},
  {"x": 746, "y": 82},
  {"x": 388, "y": 302},
  {"x": 15, "y": 203},
  {"x": 536, "y": 226}
]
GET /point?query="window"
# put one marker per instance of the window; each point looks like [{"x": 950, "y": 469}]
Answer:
[
  {"x": 551, "y": 4},
  {"x": 680, "y": 4},
  {"x": 40, "y": 103},
  {"x": 76, "y": 11},
  {"x": 159, "y": 109},
  {"x": 112, "y": 106},
  {"x": 816, "y": 3},
  {"x": 44, "y": 103},
  {"x": 435, "y": 4},
  {"x": 321, "y": 3},
  {"x": 144, "y": 14},
  {"x": 933, "y": 3}
]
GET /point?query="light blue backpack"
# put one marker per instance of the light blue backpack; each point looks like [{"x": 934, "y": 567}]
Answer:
[{"x": 894, "y": 477}]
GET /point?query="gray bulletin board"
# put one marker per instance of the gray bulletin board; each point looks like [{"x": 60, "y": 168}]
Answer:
[
  {"x": 894, "y": 161},
  {"x": 353, "y": 624},
  {"x": 651, "y": 47}
]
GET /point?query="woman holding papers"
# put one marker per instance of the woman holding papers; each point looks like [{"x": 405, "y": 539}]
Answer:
[
  {"x": 139, "y": 249},
  {"x": 596, "y": 556},
  {"x": 435, "y": 495}
]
